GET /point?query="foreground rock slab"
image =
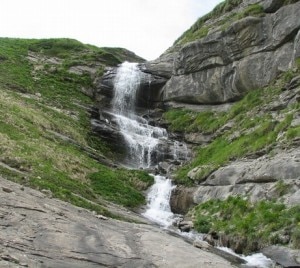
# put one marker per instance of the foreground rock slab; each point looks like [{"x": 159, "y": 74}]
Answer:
[{"x": 37, "y": 231}]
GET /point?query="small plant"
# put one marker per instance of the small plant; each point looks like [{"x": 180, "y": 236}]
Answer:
[
  {"x": 296, "y": 237},
  {"x": 281, "y": 187},
  {"x": 297, "y": 61},
  {"x": 252, "y": 10}
]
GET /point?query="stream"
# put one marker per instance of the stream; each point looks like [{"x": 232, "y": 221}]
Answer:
[{"x": 144, "y": 143}]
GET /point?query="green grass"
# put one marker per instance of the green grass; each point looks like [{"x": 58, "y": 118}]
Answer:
[
  {"x": 200, "y": 29},
  {"x": 252, "y": 130},
  {"x": 258, "y": 224},
  {"x": 288, "y": 2},
  {"x": 46, "y": 136},
  {"x": 121, "y": 186}
]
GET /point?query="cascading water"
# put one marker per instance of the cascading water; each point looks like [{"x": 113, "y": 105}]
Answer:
[
  {"x": 141, "y": 138},
  {"x": 142, "y": 141}
]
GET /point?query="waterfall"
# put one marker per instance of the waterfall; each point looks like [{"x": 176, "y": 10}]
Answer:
[
  {"x": 141, "y": 138},
  {"x": 158, "y": 199},
  {"x": 143, "y": 141}
]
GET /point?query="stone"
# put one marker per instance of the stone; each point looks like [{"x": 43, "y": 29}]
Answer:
[
  {"x": 185, "y": 226},
  {"x": 101, "y": 217},
  {"x": 295, "y": 82},
  {"x": 47, "y": 192},
  {"x": 202, "y": 244},
  {"x": 163, "y": 66},
  {"x": 251, "y": 53},
  {"x": 198, "y": 138},
  {"x": 7, "y": 190},
  {"x": 271, "y": 6},
  {"x": 256, "y": 178},
  {"x": 284, "y": 256},
  {"x": 81, "y": 240},
  {"x": 181, "y": 199},
  {"x": 196, "y": 174}
]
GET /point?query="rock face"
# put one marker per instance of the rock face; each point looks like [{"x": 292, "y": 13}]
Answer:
[
  {"x": 224, "y": 65},
  {"x": 40, "y": 232},
  {"x": 263, "y": 178}
]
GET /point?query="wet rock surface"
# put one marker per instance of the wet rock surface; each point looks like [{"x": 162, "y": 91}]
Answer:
[{"x": 37, "y": 231}]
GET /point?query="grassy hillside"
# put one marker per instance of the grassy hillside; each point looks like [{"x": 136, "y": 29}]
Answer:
[
  {"x": 45, "y": 140},
  {"x": 221, "y": 17},
  {"x": 250, "y": 126}
]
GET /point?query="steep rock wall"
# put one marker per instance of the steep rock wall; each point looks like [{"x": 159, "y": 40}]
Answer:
[{"x": 226, "y": 64}]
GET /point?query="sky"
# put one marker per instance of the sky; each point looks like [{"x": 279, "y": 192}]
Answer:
[{"x": 146, "y": 27}]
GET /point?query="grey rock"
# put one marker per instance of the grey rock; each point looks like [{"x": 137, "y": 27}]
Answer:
[
  {"x": 181, "y": 199},
  {"x": 40, "y": 232},
  {"x": 257, "y": 178},
  {"x": 295, "y": 82},
  {"x": 286, "y": 257},
  {"x": 271, "y": 6},
  {"x": 225, "y": 65},
  {"x": 163, "y": 66},
  {"x": 198, "y": 138},
  {"x": 7, "y": 190},
  {"x": 196, "y": 174},
  {"x": 200, "y": 108},
  {"x": 186, "y": 226},
  {"x": 202, "y": 244}
]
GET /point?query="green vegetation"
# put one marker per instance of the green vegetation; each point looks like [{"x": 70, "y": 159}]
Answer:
[
  {"x": 251, "y": 131},
  {"x": 288, "y": 2},
  {"x": 45, "y": 139},
  {"x": 201, "y": 28},
  {"x": 258, "y": 224},
  {"x": 121, "y": 186}
]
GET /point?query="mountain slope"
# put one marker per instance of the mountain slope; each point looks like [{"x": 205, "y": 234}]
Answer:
[
  {"x": 232, "y": 94},
  {"x": 46, "y": 140}
]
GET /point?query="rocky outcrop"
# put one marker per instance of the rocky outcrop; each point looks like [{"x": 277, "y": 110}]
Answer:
[
  {"x": 37, "y": 231},
  {"x": 226, "y": 64},
  {"x": 265, "y": 178},
  {"x": 163, "y": 66}
]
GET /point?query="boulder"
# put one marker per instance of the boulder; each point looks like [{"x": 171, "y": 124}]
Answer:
[
  {"x": 181, "y": 199},
  {"x": 284, "y": 256}
]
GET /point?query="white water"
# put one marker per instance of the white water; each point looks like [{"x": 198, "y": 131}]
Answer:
[
  {"x": 257, "y": 260},
  {"x": 158, "y": 199},
  {"x": 141, "y": 138}
]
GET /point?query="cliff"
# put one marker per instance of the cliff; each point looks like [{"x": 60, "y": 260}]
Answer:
[
  {"x": 232, "y": 93},
  {"x": 242, "y": 51}
]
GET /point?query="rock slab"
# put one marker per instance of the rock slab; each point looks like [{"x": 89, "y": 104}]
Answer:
[{"x": 37, "y": 231}]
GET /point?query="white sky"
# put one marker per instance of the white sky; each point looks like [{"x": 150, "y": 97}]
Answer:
[{"x": 146, "y": 27}]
